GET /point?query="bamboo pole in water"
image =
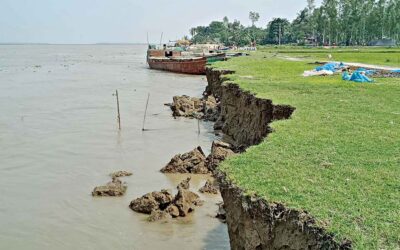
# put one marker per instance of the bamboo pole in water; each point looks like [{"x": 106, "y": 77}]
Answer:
[
  {"x": 145, "y": 112},
  {"x": 118, "y": 115}
]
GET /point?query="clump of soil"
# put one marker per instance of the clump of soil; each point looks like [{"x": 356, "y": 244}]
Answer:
[
  {"x": 120, "y": 174},
  {"x": 206, "y": 108},
  {"x": 219, "y": 152},
  {"x": 185, "y": 184},
  {"x": 193, "y": 162},
  {"x": 221, "y": 213},
  {"x": 113, "y": 188},
  {"x": 152, "y": 201},
  {"x": 163, "y": 205},
  {"x": 209, "y": 188}
]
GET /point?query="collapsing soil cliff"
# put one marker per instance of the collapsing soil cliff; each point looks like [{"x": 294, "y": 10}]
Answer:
[{"x": 254, "y": 223}]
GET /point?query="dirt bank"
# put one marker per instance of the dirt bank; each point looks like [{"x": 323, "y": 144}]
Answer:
[
  {"x": 254, "y": 223},
  {"x": 243, "y": 117}
]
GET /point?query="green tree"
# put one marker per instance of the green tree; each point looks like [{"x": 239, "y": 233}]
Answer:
[
  {"x": 278, "y": 31},
  {"x": 254, "y": 17}
]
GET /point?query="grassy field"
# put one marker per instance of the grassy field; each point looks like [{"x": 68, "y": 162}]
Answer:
[
  {"x": 379, "y": 56},
  {"x": 338, "y": 157}
]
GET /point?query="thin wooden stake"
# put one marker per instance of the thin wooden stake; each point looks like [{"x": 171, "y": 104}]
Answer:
[
  {"x": 145, "y": 112},
  {"x": 119, "y": 115},
  {"x": 162, "y": 33},
  {"x": 198, "y": 126}
]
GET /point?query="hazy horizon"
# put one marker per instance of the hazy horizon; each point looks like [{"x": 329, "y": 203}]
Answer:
[{"x": 125, "y": 21}]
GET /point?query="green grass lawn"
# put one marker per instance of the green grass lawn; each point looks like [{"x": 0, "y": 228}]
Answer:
[{"x": 338, "y": 157}]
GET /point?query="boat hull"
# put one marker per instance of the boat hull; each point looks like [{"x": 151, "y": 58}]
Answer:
[{"x": 195, "y": 66}]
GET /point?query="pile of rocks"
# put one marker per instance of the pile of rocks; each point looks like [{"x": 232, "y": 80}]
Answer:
[
  {"x": 163, "y": 205},
  {"x": 114, "y": 188},
  {"x": 206, "y": 108},
  {"x": 195, "y": 161}
]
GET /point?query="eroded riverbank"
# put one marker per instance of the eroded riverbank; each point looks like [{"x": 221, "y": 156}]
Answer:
[{"x": 253, "y": 222}]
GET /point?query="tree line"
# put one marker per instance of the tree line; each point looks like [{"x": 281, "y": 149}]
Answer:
[{"x": 335, "y": 22}]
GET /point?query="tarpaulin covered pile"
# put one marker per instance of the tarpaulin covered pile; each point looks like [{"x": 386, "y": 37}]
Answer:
[
  {"x": 357, "y": 76},
  {"x": 326, "y": 69}
]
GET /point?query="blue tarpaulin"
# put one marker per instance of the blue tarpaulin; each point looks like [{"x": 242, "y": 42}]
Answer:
[
  {"x": 396, "y": 71},
  {"x": 357, "y": 76},
  {"x": 368, "y": 72},
  {"x": 332, "y": 66}
]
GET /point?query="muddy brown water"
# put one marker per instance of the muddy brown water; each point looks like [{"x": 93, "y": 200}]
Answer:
[{"x": 59, "y": 139}]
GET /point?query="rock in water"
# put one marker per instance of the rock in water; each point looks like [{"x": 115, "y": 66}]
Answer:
[
  {"x": 190, "y": 162},
  {"x": 173, "y": 211},
  {"x": 185, "y": 184},
  {"x": 219, "y": 152},
  {"x": 206, "y": 108},
  {"x": 187, "y": 106},
  {"x": 113, "y": 188},
  {"x": 120, "y": 174},
  {"x": 186, "y": 201},
  {"x": 151, "y": 202},
  {"x": 209, "y": 188},
  {"x": 162, "y": 205}
]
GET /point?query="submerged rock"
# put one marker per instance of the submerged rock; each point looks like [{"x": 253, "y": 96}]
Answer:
[
  {"x": 209, "y": 188},
  {"x": 158, "y": 215},
  {"x": 219, "y": 152},
  {"x": 152, "y": 201},
  {"x": 190, "y": 162},
  {"x": 121, "y": 174},
  {"x": 113, "y": 188},
  {"x": 185, "y": 184}
]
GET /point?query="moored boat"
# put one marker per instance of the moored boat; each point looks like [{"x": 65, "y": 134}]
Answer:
[{"x": 173, "y": 61}]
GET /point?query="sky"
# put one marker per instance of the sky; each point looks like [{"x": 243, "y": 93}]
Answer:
[{"x": 126, "y": 21}]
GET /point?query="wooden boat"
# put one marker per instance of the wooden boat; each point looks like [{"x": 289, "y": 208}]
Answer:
[{"x": 173, "y": 61}]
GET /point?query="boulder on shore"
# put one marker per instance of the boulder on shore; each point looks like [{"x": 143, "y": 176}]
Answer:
[
  {"x": 191, "y": 162},
  {"x": 121, "y": 174},
  {"x": 209, "y": 188},
  {"x": 219, "y": 152},
  {"x": 113, "y": 188}
]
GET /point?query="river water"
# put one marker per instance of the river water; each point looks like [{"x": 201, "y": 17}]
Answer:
[{"x": 59, "y": 139}]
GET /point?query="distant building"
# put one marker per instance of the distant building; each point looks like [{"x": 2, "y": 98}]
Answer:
[{"x": 383, "y": 42}]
